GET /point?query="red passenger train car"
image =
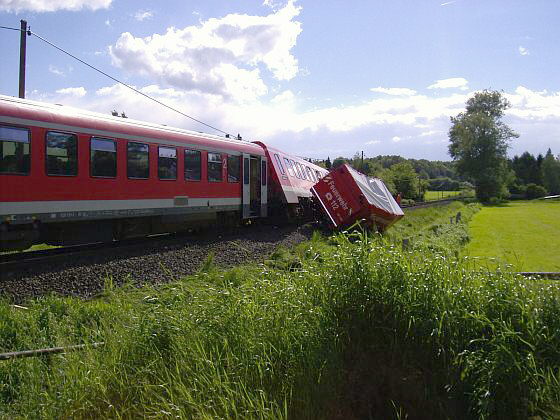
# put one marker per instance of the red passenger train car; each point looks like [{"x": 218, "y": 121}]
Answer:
[{"x": 72, "y": 176}]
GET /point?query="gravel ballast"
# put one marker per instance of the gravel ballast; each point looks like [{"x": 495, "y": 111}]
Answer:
[{"x": 153, "y": 262}]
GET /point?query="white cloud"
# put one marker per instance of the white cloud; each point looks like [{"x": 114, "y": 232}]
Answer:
[
  {"x": 413, "y": 126},
  {"x": 52, "y": 5},
  {"x": 429, "y": 133},
  {"x": 452, "y": 83},
  {"x": 394, "y": 91},
  {"x": 448, "y": 3},
  {"x": 142, "y": 15},
  {"x": 55, "y": 70},
  {"x": 523, "y": 51},
  {"x": 73, "y": 91},
  {"x": 218, "y": 56}
]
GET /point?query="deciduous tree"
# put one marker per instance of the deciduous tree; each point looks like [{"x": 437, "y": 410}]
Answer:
[
  {"x": 551, "y": 173},
  {"x": 479, "y": 140}
]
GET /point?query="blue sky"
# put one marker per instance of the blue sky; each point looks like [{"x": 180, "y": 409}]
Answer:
[{"x": 316, "y": 78}]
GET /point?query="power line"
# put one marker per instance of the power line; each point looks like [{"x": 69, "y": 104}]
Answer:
[
  {"x": 117, "y": 80},
  {"x": 13, "y": 29}
]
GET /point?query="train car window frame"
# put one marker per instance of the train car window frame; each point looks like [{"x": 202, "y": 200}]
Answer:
[
  {"x": 310, "y": 174},
  {"x": 98, "y": 141},
  {"x": 279, "y": 162},
  {"x": 263, "y": 172},
  {"x": 214, "y": 161},
  {"x": 302, "y": 169},
  {"x": 233, "y": 177},
  {"x": 319, "y": 175},
  {"x": 4, "y": 138},
  {"x": 72, "y": 170},
  {"x": 188, "y": 165},
  {"x": 298, "y": 172},
  {"x": 167, "y": 160},
  {"x": 290, "y": 168},
  {"x": 246, "y": 174},
  {"x": 128, "y": 166}
]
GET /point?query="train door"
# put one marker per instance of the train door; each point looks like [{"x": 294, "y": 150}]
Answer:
[
  {"x": 264, "y": 187},
  {"x": 254, "y": 186}
]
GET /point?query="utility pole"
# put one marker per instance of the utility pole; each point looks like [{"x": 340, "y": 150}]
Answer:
[
  {"x": 22, "y": 49},
  {"x": 362, "y": 166}
]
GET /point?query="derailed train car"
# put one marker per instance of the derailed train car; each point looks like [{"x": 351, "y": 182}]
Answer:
[{"x": 347, "y": 196}]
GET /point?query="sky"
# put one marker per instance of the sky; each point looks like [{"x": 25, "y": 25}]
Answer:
[{"x": 314, "y": 78}]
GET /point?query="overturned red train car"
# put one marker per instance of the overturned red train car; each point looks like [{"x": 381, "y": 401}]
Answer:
[
  {"x": 347, "y": 196},
  {"x": 69, "y": 176}
]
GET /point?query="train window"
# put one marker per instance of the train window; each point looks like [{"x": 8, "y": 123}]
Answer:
[
  {"x": 290, "y": 167},
  {"x": 14, "y": 150},
  {"x": 193, "y": 165},
  {"x": 246, "y": 171},
  {"x": 214, "y": 167},
  {"x": 62, "y": 154},
  {"x": 302, "y": 170},
  {"x": 279, "y": 162},
  {"x": 138, "y": 160},
  {"x": 318, "y": 175},
  {"x": 263, "y": 172},
  {"x": 103, "y": 157},
  {"x": 233, "y": 168},
  {"x": 295, "y": 165},
  {"x": 167, "y": 162},
  {"x": 310, "y": 174},
  {"x": 295, "y": 168}
]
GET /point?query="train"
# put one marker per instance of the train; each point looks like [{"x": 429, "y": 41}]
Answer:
[{"x": 70, "y": 176}]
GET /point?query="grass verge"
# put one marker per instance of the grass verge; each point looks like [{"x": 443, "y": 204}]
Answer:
[{"x": 524, "y": 234}]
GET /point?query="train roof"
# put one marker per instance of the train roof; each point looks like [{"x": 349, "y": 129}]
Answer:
[{"x": 33, "y": 111}]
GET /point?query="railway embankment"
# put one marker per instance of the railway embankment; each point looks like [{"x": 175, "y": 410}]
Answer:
[{"x": 347, "y": 326}]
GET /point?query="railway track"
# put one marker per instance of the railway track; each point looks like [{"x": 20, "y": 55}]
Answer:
[
  {"x": 40, "y": 256},
  {"x": 11, "y": 261},
  {"x": 432, "y": 203}
]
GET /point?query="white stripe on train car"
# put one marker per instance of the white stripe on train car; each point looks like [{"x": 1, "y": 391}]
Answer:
[{"x": 28, "y": 207}]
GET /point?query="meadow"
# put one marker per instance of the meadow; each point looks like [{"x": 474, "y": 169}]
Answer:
[
  {"x": 347, "y": 326},
  {"x": 523, "y": 234},
  {"x": 439, "y": 195}
]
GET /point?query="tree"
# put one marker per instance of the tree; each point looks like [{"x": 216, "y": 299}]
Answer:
[
  {"x": 406, "y": 181},
  {"x": 328, "y": 163},
  {"x": 551, "y": 173},
  {"x": 479, "y": 141},
  {"x": 527, "y": 169},
  {"x": 338, "y": 162}
]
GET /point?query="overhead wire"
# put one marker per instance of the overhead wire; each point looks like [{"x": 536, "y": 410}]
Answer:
[{"x": 30, "y": 32}]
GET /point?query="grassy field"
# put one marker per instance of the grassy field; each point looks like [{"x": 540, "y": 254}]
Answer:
[
  {"x": 350, "y": 326},
  {"x": 438, "y": 195},
  {"x": 525, "y": 234}
]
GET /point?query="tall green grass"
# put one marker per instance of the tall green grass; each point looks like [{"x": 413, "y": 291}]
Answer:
[{"x": 293, "y": 337}]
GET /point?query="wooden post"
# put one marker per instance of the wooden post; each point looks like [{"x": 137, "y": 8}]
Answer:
[{"x": 22, "y": 53}]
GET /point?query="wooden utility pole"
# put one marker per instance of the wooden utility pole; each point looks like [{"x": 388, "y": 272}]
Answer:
[
  {"x": 362, "y": 168},
  {"x": 22, "y": 49}
]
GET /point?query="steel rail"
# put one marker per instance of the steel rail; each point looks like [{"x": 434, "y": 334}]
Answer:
[{"x": 17, "y": 258}]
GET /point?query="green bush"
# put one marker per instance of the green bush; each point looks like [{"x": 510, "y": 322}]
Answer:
[{"x": 535, "y": 191}]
